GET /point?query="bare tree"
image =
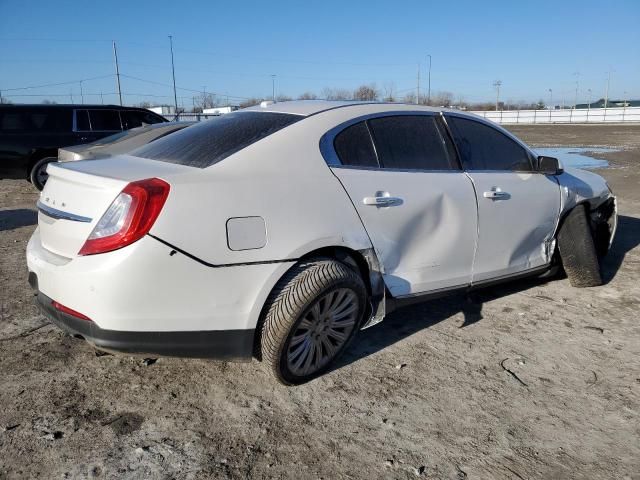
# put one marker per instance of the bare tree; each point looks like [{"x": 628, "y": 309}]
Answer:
[
  {"x": 307, "y": 96},
  {"x": 283, "y": 98},
  {"x": 409, "y": 97},
  {"x": 366, "y": 93},
  {"x": 336, "y": 94},
  {"x": 442, "y": 99},
  {"x": 389, "y": 89},
  {"x": 144, "y": 104},
  {"x": 250, "y": 102},
  {"x": 46, "y": 102}
]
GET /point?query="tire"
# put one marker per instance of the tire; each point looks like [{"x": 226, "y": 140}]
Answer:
[
  {"x": 38, "y": 175},
  {"x": 578, "y": 251},
  {"x": 300, "y": 318}
]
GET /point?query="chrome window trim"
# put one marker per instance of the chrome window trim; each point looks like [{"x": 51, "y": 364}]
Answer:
[{"x": 60, "y": 215}]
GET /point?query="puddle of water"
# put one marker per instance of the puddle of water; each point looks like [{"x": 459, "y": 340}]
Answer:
[{"x": 577, "y": 157}]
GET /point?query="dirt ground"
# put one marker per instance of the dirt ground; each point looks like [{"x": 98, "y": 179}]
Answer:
[{"x": 528, "y": 380}]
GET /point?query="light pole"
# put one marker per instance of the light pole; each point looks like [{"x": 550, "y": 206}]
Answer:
[
  {"x": 589, "y": 107},
  {"x": 606, "y": 95},
  {"x": 81, "y": 93},
  {"x": 575, "y": 101},
  {"x": 429, "y": 83},
  {"x": 173, "y": 73},
  {"x": 497, "y": 84},
  {"x": 418, "y": 87},
  {"x": 550, "y": 99},
  {"x": 273, "y": 87}
]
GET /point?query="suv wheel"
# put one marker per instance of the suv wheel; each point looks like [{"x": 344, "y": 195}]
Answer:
[
  {"x": 38, "y": 175},
  {"x": 311, "y": 316}
]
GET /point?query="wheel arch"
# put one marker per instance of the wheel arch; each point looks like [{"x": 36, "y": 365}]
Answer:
[{"x": 364, "y": 262}]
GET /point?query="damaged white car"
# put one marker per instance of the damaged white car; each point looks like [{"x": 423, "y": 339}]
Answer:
[{"x": 280, "y": 230}]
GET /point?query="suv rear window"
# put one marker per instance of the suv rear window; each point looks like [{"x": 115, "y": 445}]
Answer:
[{"x": 214, "y": 140}]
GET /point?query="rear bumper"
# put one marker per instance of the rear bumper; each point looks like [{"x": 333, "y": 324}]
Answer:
[{"x": 218, "y": 344}]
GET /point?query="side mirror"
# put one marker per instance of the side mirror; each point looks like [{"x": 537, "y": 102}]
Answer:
[{"x": 549, "y": 165}]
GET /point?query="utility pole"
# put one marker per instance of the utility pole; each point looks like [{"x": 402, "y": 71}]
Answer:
[
  {"x": 101, "y": 99},
  {"x": 429, "y": 83},
  {"x": 418, "y": 87},
  {"x": 575, "y": 101},
  {"x": 81, "y": 93},
  {"x": 173, "y": 73},
  {"x": 589, "y": 106},
  {"x": 115, "y": 56},
  {"x": 204, "y": 97},
  {"x": 550, "y": 99},
  {"x": 273, "y": 87},
  {"x": 497, "y": 84}
]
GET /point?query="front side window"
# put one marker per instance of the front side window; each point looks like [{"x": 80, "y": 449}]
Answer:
[
  {"x": 136, "y": 118},
  {"x": 211, "y": 141},
  {"x": 410, "y": 142},
  {"x": 354, "y": 147},
  {"x": 104, "y": 120},
  {"x": 482, "y": 147}
]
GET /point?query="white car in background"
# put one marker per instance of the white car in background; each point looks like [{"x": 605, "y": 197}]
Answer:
[
  {"x": 121, "y": 142},
  {"x": 280, "y": 230}
]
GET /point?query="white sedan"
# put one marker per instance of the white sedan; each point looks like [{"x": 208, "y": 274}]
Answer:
[{"x": 280, "y": 230}]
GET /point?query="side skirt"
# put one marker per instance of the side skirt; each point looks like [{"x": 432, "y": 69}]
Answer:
[{"x": 393, "y": 303}]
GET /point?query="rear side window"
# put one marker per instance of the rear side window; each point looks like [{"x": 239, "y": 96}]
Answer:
[
  {"x": 410, "y": 142},
  {"x": 211, "y": 141},
  {"x": 354, "y": 147},
  {"x": 484, "y": 148},
  {"x": 104, "y": 120}
]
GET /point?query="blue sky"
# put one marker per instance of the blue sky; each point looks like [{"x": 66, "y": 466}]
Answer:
[{"x": 233, "y": 47}]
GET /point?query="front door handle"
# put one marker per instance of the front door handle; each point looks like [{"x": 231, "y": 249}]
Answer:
[
  {"x": 496, "y": 194},
  {"x": 382, "y": 201}
]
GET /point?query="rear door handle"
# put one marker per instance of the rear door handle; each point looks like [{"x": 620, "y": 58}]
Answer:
[
  {"x": 496, "y": 194},
  {"x": 382, "y": 201}
]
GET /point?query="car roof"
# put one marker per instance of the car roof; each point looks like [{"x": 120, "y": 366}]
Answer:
[
  {"x": 311, "y": 107},
  {"x": 71, "y": 105}
]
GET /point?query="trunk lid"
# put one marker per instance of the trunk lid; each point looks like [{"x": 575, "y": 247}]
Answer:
[{"x": 77, "y": 194}]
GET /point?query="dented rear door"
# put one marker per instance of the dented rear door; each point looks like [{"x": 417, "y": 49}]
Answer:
[{"x": 417, "y": 206}]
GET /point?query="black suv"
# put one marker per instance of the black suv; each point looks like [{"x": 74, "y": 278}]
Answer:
[{"x": 30, "y": 135}]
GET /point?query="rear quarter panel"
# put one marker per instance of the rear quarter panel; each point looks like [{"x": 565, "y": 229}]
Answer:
[{"x": 283, "y": 179}]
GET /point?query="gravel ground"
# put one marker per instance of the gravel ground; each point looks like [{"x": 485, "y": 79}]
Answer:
[{"x": 529, "y": 380}]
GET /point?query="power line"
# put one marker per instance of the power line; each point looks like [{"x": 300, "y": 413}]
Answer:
[{"x": 56, "y": 84}]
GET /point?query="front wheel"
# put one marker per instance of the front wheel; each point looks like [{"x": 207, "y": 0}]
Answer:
[
  {"x": 310, "y": 317},
  {"x": 38, "y": 175},
  {"x": 578, "y": 251}
]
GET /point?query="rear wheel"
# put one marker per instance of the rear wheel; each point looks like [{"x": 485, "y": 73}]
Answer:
[
  {"x": 38, "y": 175},
  {"x": 310, "y": 318},
  {"x": 578, "y": 251}
]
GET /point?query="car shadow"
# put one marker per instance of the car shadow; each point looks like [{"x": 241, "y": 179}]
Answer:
[
  {"x": 20, "y": 217},
  {"x": 626, "y": 239},
  {"x": 408, "y": 320}
]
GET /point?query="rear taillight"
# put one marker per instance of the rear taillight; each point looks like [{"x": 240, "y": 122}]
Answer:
[
  {"x": 129, "y": 217},
  {"x": 61, "y": 308}
]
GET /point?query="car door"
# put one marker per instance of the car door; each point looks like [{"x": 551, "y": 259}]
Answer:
[
  {"x": 416, "y": 204},
  {"x": 518, "y": 208}
]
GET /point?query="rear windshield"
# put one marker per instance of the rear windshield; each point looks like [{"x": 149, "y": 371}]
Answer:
[{"x": 211, "y": 141}]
